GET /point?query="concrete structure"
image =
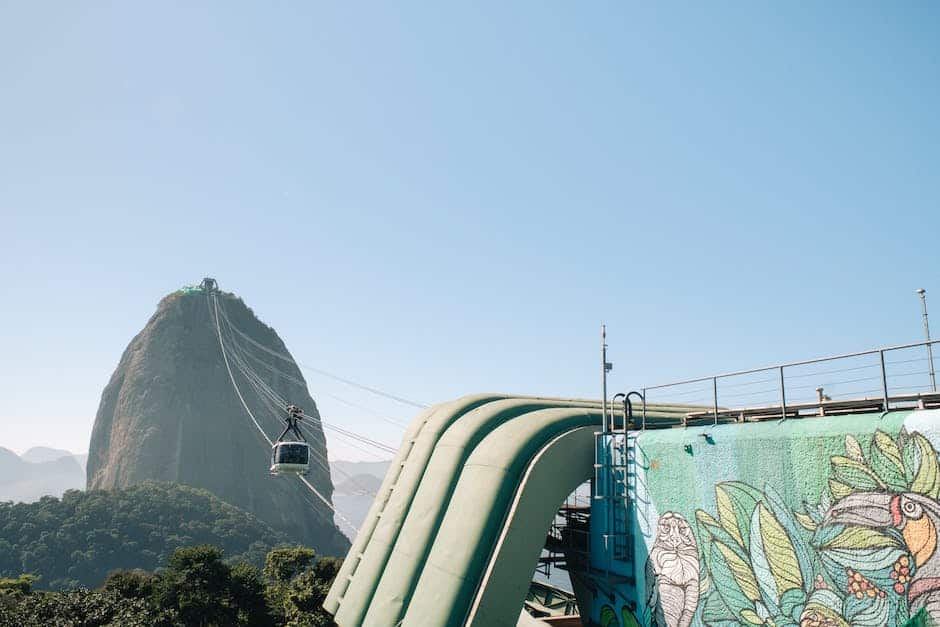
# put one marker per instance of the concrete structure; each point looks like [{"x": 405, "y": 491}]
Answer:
[
  {"x": 813, "y": 514},
  {"x": 812, "y": 521},
  {"x": 460, "y": 520}
]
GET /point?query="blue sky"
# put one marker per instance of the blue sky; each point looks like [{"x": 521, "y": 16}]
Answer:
[{"x": 439, "y": 200}]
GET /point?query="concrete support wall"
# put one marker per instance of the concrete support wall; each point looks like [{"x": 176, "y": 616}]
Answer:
[{"x": 814, "y": 521}]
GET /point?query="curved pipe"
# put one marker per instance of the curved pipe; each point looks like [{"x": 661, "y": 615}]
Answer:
[
  {"x": 398, "y": 578},
  {"x": 478, "y": 511},
  {"x": 337, "y": 596},
  {"x": 555, "y": 472}
]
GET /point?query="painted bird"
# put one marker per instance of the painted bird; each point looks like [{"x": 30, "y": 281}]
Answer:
[{"x": 917, "y": 517}]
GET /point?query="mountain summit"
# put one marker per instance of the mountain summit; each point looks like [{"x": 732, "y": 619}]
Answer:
[{"x": 171, "y": 413}]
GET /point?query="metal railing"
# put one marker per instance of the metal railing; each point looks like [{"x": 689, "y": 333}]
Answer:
[{"x": 778, "y": 375}]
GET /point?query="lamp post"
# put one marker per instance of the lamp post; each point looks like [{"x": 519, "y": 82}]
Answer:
[{"x": 923, "y": 301}]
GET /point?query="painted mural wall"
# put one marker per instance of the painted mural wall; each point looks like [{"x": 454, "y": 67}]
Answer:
[{"x": 815, "y": 522}]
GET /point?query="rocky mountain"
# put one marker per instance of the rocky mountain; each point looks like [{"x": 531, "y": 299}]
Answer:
[
  {"x": 171, "y": 413},
  {"x": 32, "y": 476}
]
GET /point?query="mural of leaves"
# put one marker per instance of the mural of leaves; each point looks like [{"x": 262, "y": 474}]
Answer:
[
  {"x": 861, "y": 538},
  {"x": 780, "y": 552},
  {"x": 853, "y": 449},
  {"x": 758, "y": 572},
  {"x": 839, "y": 490},
  {"x": 736, "y": 502},
  {"x": 767, "y": 564},
  {"x": 855, "y": 474},
  {"x": 735, "y": 583},
  {"x": 629, "y": 618},
  {"x": 608, "y": 617},
  {"x": 824, "y": 608},
  {"x": 886, "y": 461},
  {"x": 926, "y": 477}
]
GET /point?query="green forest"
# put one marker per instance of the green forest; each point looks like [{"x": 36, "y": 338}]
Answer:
[
  {"x": 153, "y": 555},
  {"x": 195, "y": 588},
  {"x": 78, "y": 539}
]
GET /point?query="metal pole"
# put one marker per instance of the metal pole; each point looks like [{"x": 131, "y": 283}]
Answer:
[
  {"x": 884, "y": 380},
  {"x": 608, "y": 439},
  {"x": 644, "y": 409},
  {"x": 923, "y": 301},
  {"x": 604, "y": 373},
  {"x": 715, "y": 390},
  {"x": 783, "y": 396}
]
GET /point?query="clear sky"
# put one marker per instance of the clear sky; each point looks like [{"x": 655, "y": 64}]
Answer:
[{"x": 440, "y": 198}]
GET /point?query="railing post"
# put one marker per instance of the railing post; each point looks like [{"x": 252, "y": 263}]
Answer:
[
  {"x": 715, "y": 391},
  {"x": 783, "y": 396},
  {"x": 884, "y": 380},
  {"x": 644, "y": 409}
]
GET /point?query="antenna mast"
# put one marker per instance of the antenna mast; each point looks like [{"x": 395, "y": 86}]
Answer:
[
  {"x": 923, "y": 301},
  {"x": 606, "y": 367}
]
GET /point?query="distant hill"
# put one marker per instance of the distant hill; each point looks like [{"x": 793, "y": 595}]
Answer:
[
  {"x": 342, "y": 470},
  {"x": 78, "y": 539},
  {"x": 356, "y": 484},
  {"x": 40, "y": 472},
  {"x": 40, "y": 454},
  {"x": 359, "y": 484}
]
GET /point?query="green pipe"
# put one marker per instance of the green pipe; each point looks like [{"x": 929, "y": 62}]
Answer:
[
  {"x": 478, "y": 509},
  {"x": 556, "y": 471},
  {"x": 400, "y": 574},
  {"x": 351, "y": 593}
]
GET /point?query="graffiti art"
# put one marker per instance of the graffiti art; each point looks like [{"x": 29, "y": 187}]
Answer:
[
  {"x": 672, "y": 573},
  {"x": 864, "y": 555}
]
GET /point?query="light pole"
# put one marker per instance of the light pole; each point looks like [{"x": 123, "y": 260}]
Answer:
[{"x": 923, "y": 301}]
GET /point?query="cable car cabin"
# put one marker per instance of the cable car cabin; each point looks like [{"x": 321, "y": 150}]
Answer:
[{"x": 290, "y": 458}]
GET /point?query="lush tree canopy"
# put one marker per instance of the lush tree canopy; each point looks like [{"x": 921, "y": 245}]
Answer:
[
  {"x": 78, "y": 539},
  {"x": 195, "y": 588},
  {"x": 298, "y": 584}
]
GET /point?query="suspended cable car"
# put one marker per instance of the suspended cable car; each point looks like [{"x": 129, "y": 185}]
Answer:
[{"x": 291, "y": 456}]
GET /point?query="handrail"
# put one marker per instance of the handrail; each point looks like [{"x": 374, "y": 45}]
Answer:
[
  {"x": 780, "y": 370},
  {"x": 794, "y": 363}
]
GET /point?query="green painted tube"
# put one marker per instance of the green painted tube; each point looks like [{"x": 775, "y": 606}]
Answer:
[
  {"x": 341, "y": 582},
  {"x": 557, "y": 470},
  {"x": 390, "y": 482},
  {"x": 351, "y": 593},
  {"x": 400, "y": 574},
  {"x": 478, "y": 510}
]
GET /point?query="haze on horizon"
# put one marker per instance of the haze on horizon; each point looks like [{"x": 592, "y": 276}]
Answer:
[{"x": 438, "y": 201}]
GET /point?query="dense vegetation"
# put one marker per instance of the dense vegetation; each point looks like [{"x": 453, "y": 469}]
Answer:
[
  {"x": 195, "y": 589},
  {"x": 78, "y": 539}
]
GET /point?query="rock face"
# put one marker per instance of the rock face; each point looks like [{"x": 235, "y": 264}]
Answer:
[{"x": 170, "y": 413}]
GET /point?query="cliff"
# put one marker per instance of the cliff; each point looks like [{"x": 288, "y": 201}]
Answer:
[{"x": 170, "y": 413}]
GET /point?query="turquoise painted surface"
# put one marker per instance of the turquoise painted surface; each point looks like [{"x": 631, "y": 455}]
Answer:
[{"x": 828, "y": 521}]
